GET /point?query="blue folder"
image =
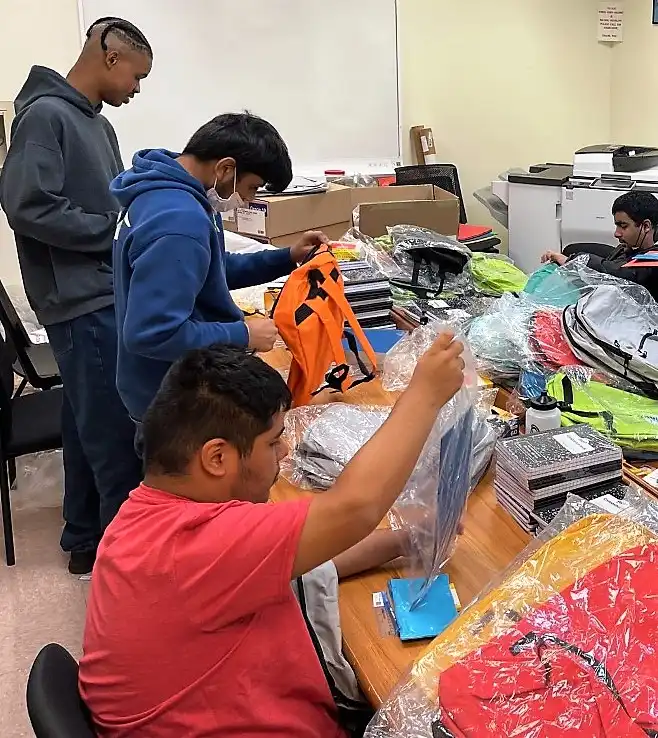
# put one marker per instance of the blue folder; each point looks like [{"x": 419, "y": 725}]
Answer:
[
  {"x": 381, "y": 339},
  {"x": 431, "y": 617}
]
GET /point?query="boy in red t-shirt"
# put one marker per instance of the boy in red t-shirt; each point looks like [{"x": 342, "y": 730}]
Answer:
[{"x": 192, "y": 626}]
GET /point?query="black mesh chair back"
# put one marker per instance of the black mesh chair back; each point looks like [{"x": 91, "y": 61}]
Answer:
[
  {"x": 444, "y": 176},
  {"x": 54, "y": 704},
  {"x": 603, "y": 250}
]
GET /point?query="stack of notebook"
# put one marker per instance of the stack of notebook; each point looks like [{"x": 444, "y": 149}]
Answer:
[
  {"x": 606, "y": 499},
  {"x": 536, "y": 472},
  {"x": 368, "y": 293}
]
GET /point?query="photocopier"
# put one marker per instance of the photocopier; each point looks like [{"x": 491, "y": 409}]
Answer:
[{"x": 551, "y": 206}]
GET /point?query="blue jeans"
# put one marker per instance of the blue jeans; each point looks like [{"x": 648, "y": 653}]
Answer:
[{"x": 100, "y": 463}]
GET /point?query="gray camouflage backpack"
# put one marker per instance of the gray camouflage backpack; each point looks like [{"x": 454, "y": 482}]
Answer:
[{"x": 615, "y": 328}]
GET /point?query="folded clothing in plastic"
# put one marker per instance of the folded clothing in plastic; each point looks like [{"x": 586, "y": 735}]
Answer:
[
  {"x": 628, "y": 419},
  {"x": 565, "y": 646}
]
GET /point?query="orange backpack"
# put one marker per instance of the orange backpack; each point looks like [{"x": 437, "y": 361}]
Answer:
[{"x": 310, "y": 315}]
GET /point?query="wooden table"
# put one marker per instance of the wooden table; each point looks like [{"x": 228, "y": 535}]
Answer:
[
  {"x": 490, "y": 542},
  {"x": 639, "y": 479}
]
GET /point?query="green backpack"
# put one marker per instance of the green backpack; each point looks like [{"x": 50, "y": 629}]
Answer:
[
  {"x": 629, "y": 420},
  {"x": 496, "y": 276}
]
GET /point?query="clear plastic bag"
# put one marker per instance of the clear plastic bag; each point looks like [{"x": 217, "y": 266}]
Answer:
[
  {"x": 373, "y": 253},
  {"x": 322, "y": 440},
  {"x": 628, "y": 419},
  {"x": 495, "y": 274},
  {"x": 499, "y": 338},
  {"x": 400, "y": 362},
  {"x": 410, "y": 238},
  {"x": 432, "y": 503},
  {"x": 356, "y": 180},
  {"x": 559, "y": 287},
  {"x": 614, "y": 328},
  {"x": 485, "y": 435},
  {"x": 563, "y": 644},
  {"x": 430, "y": 261},
  {"x": 39, "y": 481}
]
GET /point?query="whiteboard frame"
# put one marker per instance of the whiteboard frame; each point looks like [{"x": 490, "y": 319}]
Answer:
[{"x": 373, "y": 168}]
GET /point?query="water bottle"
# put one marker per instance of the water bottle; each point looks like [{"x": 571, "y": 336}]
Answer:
[{"x": 543, "y": 415}]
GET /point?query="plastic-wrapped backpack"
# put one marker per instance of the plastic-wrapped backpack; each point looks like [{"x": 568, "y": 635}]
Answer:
[
  {"x": 548, "y": 342},
  {"x": 495, "y": 275},
  {"x": 429, "y": 256},
  {"x": 563, "y": 648},
  {"x": 615, "y": 328},
  {"x": 628, "y": 419}
]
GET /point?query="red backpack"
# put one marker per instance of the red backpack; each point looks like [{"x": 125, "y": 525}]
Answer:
[{"x": 582, "y": 664}]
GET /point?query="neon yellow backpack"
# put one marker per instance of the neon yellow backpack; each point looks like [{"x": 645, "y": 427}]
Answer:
[{"x": 627, "y": 419}]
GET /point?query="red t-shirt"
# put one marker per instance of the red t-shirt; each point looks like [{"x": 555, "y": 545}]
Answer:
[{"x": 192, "y": 626}]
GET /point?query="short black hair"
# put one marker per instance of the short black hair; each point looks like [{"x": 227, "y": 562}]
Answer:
[
  {"x": 639, "y": 206},
  {"x": 123, "y": 30},
  {"x": 217, "y": 392},
  {"x": 255, "y": 144}
]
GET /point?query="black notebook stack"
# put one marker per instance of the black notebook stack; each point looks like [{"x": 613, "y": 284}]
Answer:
[
  {"x": 534, "y": 473},
  {"x": 369, "y": 294}
]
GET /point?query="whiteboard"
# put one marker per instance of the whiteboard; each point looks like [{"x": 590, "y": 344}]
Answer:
[{"x": 324, "y": 72}]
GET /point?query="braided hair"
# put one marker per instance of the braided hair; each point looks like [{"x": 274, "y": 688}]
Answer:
[{"x": 124, "y": 30}]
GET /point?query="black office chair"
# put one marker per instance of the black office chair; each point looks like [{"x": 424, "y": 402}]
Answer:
[
  {"x": 603, "y": 250},
  {"x": 35, "y": 363},
  {"x": 54, "y": 704},
  {"x": 28, "y": 424},
  {"x": 444, "y": 176}
]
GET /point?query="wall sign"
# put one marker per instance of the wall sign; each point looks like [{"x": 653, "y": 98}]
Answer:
[
  {"x": 611, "y": 21},
  {"x": 655, "y": 11}
]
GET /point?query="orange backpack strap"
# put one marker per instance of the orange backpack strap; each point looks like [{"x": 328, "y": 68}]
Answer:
[{"x": 338, "y": 295}]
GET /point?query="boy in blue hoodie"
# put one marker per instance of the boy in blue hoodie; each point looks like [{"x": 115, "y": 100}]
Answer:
[{"x": 172, "y": 275}]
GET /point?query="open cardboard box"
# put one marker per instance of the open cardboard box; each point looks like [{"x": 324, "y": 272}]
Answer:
[
  {"x": 282, "y": 220},
  {"x": 420, "y": 205}
]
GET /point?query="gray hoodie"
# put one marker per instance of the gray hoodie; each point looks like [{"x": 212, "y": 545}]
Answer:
[{"x": 54, "y": 189}]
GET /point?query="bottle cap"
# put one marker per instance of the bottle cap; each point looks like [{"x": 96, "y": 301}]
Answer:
[{"x": 543, "y": 403}]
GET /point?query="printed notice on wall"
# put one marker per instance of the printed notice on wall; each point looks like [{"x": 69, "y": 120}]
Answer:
[{"x": 611, "y": 22}]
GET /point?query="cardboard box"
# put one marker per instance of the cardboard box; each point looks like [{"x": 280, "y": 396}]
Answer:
[
  {"x": 362, "y": 195},
  {"x": 420, "y": 205},
  {"x": 422, "y": 144},
  {"x": 282, "y": 220}
]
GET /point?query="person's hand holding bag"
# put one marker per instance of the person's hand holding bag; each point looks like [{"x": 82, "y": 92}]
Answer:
[
  {"x": 262, "y": 334},
  {"x": 309, "y": 241}
]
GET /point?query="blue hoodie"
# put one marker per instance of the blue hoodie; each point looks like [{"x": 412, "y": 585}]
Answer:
[{"x": 172, "y": 275}]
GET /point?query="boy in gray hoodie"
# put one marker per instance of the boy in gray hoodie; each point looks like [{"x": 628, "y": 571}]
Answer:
[{"x": 54, "y": 190}]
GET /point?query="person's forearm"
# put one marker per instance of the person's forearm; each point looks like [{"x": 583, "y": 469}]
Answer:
[
  {"x": 376, "y": 476},
  {"x": 377, "y": 549}
]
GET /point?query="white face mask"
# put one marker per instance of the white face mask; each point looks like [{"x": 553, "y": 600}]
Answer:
[{"x": 225, "y": 204}]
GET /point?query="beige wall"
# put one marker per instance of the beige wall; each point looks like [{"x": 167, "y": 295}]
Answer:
[
  {"x": 634, "y": 95},
  {"x": 31, "y": 32},
  {"x": 502, "y": 84},
  {"x": 505, "y": 83}
]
